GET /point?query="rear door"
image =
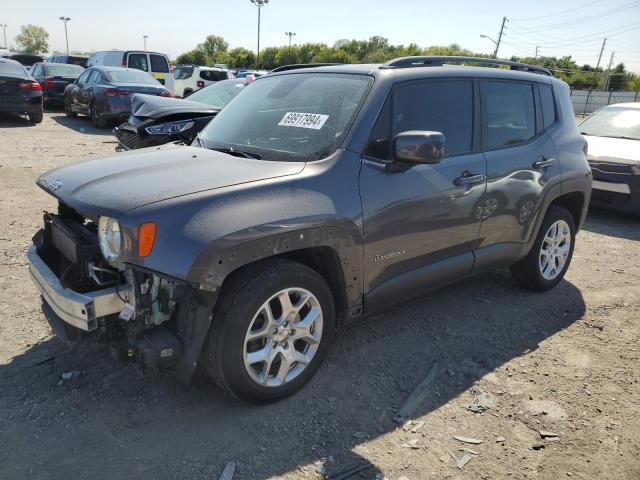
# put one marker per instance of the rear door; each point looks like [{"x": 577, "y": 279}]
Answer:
[
  {"x": 86, "y": 89},
  {"x": 421, "y": 223},
  {"x": 521, "y": 166}
]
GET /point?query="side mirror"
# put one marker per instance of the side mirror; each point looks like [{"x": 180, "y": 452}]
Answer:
[{"x": 417, "y": 147}]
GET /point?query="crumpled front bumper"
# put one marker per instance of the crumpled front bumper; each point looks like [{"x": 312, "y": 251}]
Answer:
[{"x": 82, "y": 310}]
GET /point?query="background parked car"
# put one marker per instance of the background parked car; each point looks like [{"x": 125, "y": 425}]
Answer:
[
  {"x": 103, "y": 93},
  {"x": 155, "y": 120},
  {"x": 26, "y": 59},
  {"x": 54, "y": 78},
  {"x": 613, "y": 135},
  {"x": 157, "y": 64},
  {"x": 80, "y": 60},
  {"x": 189, "y": 78},
  {"x": 19, "y": 91}
]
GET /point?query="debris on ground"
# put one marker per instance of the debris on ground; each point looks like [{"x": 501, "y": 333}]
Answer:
[
  {"x": 69, "y": 375},
  {"x": 474, "y": 441},
  {"x": 546, "y": 433},
  {"x": 483, "y": 400},
  {"x": 500, "y": 439},
  {"x": 538, "y": 446},
  {"x": 413, "y": 425},
  {"x": 462, "y": 461},
  {"x": 229, "y": 470},
  {"x": 359, "y": 435},
  {"x": 350, "y": 472},
  {"x": 417, "y": 396},
  {"x": 411, "y": 444},
  {"x": 468, "y": 450}
]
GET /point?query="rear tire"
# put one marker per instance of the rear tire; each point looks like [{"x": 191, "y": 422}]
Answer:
[
  {"x": 35, "y": 117},
  {"x": 549, "y": 258},
  {"x": 96, "y": 118},
  {"x": 253, "y": 304}
]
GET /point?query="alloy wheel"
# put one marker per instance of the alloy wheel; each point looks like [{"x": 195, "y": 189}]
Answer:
[
  {"x": 555, "y": 249},
  {"x": 283, "y": 337}
]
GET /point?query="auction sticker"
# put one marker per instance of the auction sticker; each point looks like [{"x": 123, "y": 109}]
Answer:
[{"x": 303, "y": 120}]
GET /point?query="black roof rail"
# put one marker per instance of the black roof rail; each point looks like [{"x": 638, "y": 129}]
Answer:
[
  {"x": 296, "y": 66},
  {"x": 438, "y": 61}
]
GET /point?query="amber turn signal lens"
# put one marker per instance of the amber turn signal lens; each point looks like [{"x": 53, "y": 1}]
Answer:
[{"x": 146, "y": 238}]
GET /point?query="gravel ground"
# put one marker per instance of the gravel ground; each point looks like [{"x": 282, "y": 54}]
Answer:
[{"x": 566, "y": 361}]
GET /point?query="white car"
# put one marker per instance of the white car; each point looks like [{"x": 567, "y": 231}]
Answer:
[
  {"x": 613, "y": 135},
  {"x": 189, "y": 78}
]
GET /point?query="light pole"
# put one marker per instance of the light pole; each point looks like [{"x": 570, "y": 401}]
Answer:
[
  {"x": 145, "y": 41},
  {"x": 259, "y": 4},
  {"x": 290, "y": 35},
  {"x": 4, "y": 27},
  {"x": 66, "y": 35},
  {"x": 489, "y": 38}
]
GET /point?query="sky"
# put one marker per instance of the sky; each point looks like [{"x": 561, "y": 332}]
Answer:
[{"x": 573, "y": 27}]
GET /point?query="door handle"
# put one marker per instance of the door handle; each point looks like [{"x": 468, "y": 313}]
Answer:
[
  {"x": 544, "y": 162},
  {"x": 468, "y": 178}
]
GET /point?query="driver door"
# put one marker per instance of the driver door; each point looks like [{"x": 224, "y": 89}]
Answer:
[{"x": 421, "y": 224}]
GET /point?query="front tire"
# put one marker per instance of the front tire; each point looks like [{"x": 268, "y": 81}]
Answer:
[
  {"x": 271, "y": 331},
  {"x": 549, "y": 258}
]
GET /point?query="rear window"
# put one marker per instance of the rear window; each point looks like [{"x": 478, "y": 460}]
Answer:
[
  {"x": 159, "y": 63},
  {"x": 510, "y": 113},
  {"x": 12, "y": 68},
  {"x": 80, "y": 61},
  {"x": 129, "y": 76},
  {"x": 64, "y": 70},
  {"x": 213, "y": 75},
  {"x": 138, "y": 61},
  {"x": 218, "y": 94},
  {"x": 182, "y": 73}
]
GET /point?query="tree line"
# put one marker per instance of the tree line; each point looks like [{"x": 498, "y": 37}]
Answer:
[{"x": 377, "y": 49}]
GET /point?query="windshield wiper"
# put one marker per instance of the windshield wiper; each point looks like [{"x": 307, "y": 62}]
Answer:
[{"x": 237, "y": 153}]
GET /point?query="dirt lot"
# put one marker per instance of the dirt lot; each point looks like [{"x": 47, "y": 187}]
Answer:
[{"x": 567, "y": 361}]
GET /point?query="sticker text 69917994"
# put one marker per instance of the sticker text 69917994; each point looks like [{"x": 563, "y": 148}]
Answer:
[{"x": 303, "y": 120}]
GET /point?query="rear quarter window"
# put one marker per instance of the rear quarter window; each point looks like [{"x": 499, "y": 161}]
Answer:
[
  {"x": 510, "y": 116},
  {"x": 213, "y": 76},
  {"x": 549, "y": 113},
  {"x": 159, "y": 64}
]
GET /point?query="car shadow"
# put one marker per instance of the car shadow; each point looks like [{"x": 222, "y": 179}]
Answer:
[
  {"x": 613, "y": 223},
  {"x": 13, "y": 120},
  {"x": 108, "y": 421},
  {"x": 81, "y": 124}
]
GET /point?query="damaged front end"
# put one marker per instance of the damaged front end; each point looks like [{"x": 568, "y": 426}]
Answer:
[{"x": 158, "y": 320}]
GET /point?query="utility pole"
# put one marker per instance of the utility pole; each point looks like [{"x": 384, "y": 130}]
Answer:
[
  {"x": 537, "y": 46},
  {"x": 66, "y": 36},
  {"x": 290, "y": 35},
  {"x": 145, "y": 41},
  {"x": 4, "y": 27},
  {"x": 259, "y": 4},
  {"x": 495, "y": 53},
  {"x": 608, "y": 81},
  {"x": 595, "y": 73}
]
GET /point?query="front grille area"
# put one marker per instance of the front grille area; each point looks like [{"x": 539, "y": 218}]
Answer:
[{"x": 128, "y": 138}]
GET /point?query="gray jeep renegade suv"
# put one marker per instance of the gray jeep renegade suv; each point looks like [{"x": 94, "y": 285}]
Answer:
[{"x": 316, "y": 196}]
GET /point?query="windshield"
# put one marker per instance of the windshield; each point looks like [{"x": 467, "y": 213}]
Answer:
[
  {"x": 296, "y": 117},
  {"x": 182, "y": 73},
  {"x": 63, "y": 70},
  {"x": 218, "y": 94},
  {"x": 616, "y": 122},
  {"x": 131, "y": 76}
]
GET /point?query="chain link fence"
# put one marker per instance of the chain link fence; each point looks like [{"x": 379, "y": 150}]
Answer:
[{"x": 588, "y": 101}]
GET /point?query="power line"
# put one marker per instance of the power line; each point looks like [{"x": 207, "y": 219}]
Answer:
[
  {"x": 556, "y": 13},
  {"x": 611, "y": 32}
]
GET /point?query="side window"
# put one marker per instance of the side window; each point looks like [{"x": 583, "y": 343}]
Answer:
[
  {"x": 441, "y": 106},
  {"x": 380, "y": 141},
  {"x": 510, "y": 113},
  {"x": 138, "y": 61},
  {"x": 548, "y": 105},
  {"x": 85, "y": 76},
  {"x": 159, "y": 64}
]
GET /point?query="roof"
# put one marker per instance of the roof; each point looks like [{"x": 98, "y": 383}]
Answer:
[{"x": 635, "y": 105}]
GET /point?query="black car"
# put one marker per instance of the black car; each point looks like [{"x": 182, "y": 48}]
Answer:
[
  {"x": 54, "y": 78},
  {"x": 26, "y": 59},
  {"x": 19, "y": 91},
  {"x": 155, "y": 121},
  {"x": 104, "y": 93}
]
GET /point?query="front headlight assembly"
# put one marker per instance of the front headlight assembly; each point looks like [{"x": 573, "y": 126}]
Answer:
[
  {"x": 170, "y": 128},
  {"x": 109, "y": 238}
]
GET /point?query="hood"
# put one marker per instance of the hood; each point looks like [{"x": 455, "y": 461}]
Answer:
[
  {"x": 613, "y": 150},
  {"x": 119, "y": 183},
  {"x": 150, "y": 106}
]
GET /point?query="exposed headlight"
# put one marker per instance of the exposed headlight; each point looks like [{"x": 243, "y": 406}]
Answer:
[
  {"x": 170, "y": 128},
  {"x": 110, "y": 238}
]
